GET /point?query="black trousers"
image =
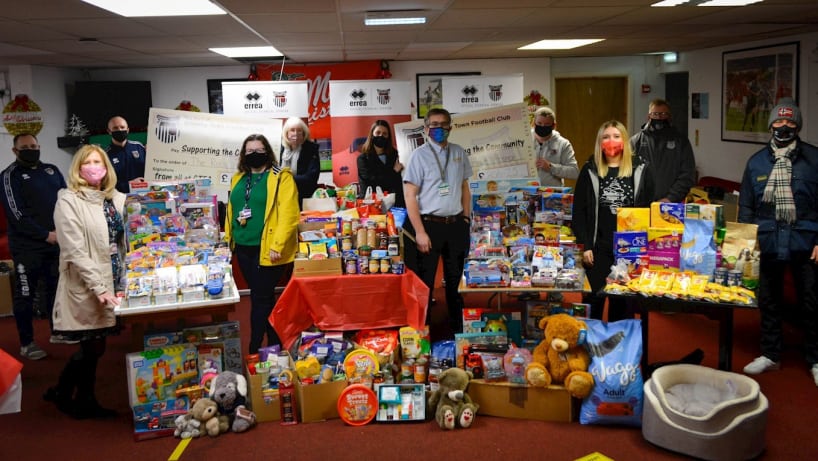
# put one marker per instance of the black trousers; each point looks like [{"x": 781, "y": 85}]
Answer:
[
  {"x": 603, "y": 260},
  {"x": 450, "y": 242},
  {"x": 32, "y": 268},
  {"x": 770, "y": 295},
  {"x": 262, "y": 281}
]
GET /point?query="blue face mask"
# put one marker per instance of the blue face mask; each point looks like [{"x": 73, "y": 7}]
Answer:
[{"x": 439, "y": 134}]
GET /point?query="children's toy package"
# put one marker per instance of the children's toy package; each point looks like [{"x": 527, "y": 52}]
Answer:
[{"x": 154, "y": 375}]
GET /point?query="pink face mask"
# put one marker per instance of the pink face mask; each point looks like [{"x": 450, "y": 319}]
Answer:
[{"x": 93, "y": 174}]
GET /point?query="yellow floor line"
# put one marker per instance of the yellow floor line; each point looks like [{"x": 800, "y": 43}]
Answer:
[{"x": 177, "y": 453}]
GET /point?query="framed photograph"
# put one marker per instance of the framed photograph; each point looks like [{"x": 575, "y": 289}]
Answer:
[
  {"x": 430, "y": 90},
  {"x": 753, "y": 80},
  {"x": 215, "y": 102}
]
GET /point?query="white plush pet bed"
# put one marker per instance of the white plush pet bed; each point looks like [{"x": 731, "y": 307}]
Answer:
[{"x": 706, "y": 413}]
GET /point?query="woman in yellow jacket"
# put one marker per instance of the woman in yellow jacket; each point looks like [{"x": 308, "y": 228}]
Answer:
[{"x": 261, "y": 226}]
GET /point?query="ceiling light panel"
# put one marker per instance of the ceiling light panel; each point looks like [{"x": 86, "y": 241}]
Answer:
[{"x": 149, "y": 8}]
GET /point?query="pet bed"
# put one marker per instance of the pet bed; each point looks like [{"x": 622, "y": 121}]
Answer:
[{"x": 706, "y": 413}]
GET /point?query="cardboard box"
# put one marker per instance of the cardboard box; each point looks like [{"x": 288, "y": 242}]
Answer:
[
  {"x": 552, "y": 403},
  {"x": 730, "y": 205},
  {"x": 6, "y": 289},
  {"x": 265, "y": 403},
  {"x": 665, "y": 214},
  {"x": 317, "y": 267},
  {"x": 318, "y": 402}
]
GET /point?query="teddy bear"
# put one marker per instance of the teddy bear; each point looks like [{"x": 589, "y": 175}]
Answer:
[
  {"x": 187, "y": 427},
  {"x": 202, "y": 419},
  {"x": 561, "y": 358},
  {"x": 229, "y": 391},
  {"x": 206, "y": 411},
  {"x": 451, "y": 404}
]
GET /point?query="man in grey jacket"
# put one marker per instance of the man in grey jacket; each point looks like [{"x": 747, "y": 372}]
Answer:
[{"x": 555, "y": 154}]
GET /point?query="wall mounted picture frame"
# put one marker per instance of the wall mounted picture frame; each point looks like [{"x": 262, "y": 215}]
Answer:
[
  {"x": 753, "y": 80},
  {"x": 430, "y": 90}
]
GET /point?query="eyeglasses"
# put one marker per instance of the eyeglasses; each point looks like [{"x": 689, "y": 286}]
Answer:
[
  {"x": 659, "y": 114},
  {"x": 438, "y": 125},
  {"x": 255, "y": 152}
]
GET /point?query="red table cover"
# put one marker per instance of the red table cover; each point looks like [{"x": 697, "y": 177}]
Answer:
[
  {"x": 9, "y": 369},
  {"x": 349, "y": 302}
]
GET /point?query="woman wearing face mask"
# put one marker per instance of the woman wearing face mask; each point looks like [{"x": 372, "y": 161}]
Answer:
[
  {"x": 261, "y": 226},
  {"x": 378, "y": 163},
  {"x": 90, "y": 233},
  {"x": 611, "y": 179},
  {"x": 300, "y": 154},
  {"x": 554, "y": 153}
]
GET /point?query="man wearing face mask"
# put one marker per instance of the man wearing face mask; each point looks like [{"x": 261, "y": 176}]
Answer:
[
  {"x": 668, "y": 153},
  {"x": 555, "y": 154},
  {"x": 29, "y": 194},
  {"x": 778, "y": 193},
  {"x": 438, "y": 204},
  {"x": 127, "y": 157}
]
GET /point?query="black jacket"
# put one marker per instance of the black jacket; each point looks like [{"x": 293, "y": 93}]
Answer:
[
  {"x": 307, "y": 171},
  {"x": 671, "y": 160},
  {"x": 29, "y": 196},
  {"x": 372, "y": 172},
  {"x": 586, "y": 199}
]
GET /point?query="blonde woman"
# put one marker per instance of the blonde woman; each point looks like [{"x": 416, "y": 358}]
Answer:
[
  {"x": 612, "y": 179},
  {"x": 90, "y": 232}
]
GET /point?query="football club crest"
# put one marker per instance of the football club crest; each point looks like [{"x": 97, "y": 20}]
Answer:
[
  {"x": 495, "y": 92},
  {"x": 167, "y": 129},
  {"x": 280, "y": 98},
  {"x": 383, "y": 96}
]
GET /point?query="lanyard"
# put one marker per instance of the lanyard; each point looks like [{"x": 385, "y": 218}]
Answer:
[
  {"x": 440, "y": 167},
  {"x": 248, "y": 187}
]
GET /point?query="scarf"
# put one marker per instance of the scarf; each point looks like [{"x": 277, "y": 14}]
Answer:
[
  {"x": 290, "y": 158},
  {"x": 778, "y": 190}
]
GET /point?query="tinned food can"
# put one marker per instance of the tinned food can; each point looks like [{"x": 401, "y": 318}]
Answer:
[
  {"x": 720, "y": 275},
  {"x": 398, "y": 267},
  {"x": 734, "y": 278},
  {"x": 374, "y": 266},
  {"x": 351, "y": 266},
  {"x": 363, "y": 265},
  {"x": 385, "y": 266}
]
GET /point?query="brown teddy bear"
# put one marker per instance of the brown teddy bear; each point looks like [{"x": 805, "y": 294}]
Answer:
[
  {"x": 561, "y": 358},
  {"x": 451, "y": 404},
  {"x": 207, "y": 411}
]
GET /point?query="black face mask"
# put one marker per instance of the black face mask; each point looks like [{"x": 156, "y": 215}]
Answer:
[
  {"x": 657, "y": 124},
  {"x": 256, "y": 159},
  {"x": 29, "y": 157},
  {"x": 784, "y": 134},
  {"x": 380, "y": 141},
  {"x": 119, "y": 135},
  {"x": 543, "y": 131}
]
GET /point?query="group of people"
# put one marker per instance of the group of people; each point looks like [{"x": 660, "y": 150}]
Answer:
[{"x": 69, "y": 235}]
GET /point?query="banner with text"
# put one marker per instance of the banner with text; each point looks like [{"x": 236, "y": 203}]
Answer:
[
  {"x": 354, "y": 107},
  {"x": 268, "y": 99},
  {"x": 187, "y": 145},
  {"x": 475, "y": 92},
  {"x": 497, "y": 140}
]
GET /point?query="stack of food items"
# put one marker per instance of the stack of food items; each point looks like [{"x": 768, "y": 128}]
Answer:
[{"x": 684, "y": 251}]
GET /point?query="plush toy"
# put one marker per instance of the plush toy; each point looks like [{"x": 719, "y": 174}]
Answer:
[
  {"x": 229, "y": 391},
  {"x": 206, "y": 411},
  {"x": 451, "y": 404},
  {"x": 561, "y": 357},
  {"x": 187, "y": 427}
]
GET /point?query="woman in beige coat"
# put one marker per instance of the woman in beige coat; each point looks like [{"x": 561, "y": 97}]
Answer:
[{"x": 90, "y": 233}]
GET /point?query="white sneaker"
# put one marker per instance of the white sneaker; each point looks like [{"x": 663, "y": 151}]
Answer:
[
  {"x": 760, "y": 365},
  {"x": 815, "y": 373}
]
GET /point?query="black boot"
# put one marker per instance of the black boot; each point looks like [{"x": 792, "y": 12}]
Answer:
[
  {"x": 86, "y": 405},
  {"x": 63, "y": 393}
]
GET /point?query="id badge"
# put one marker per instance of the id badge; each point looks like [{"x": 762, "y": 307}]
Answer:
[
  {"x": 245, "y": 213},
  {"x": 443, "y": 189}
]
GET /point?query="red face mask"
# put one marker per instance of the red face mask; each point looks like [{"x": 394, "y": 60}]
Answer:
[{"x": 612, "y": 147}]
